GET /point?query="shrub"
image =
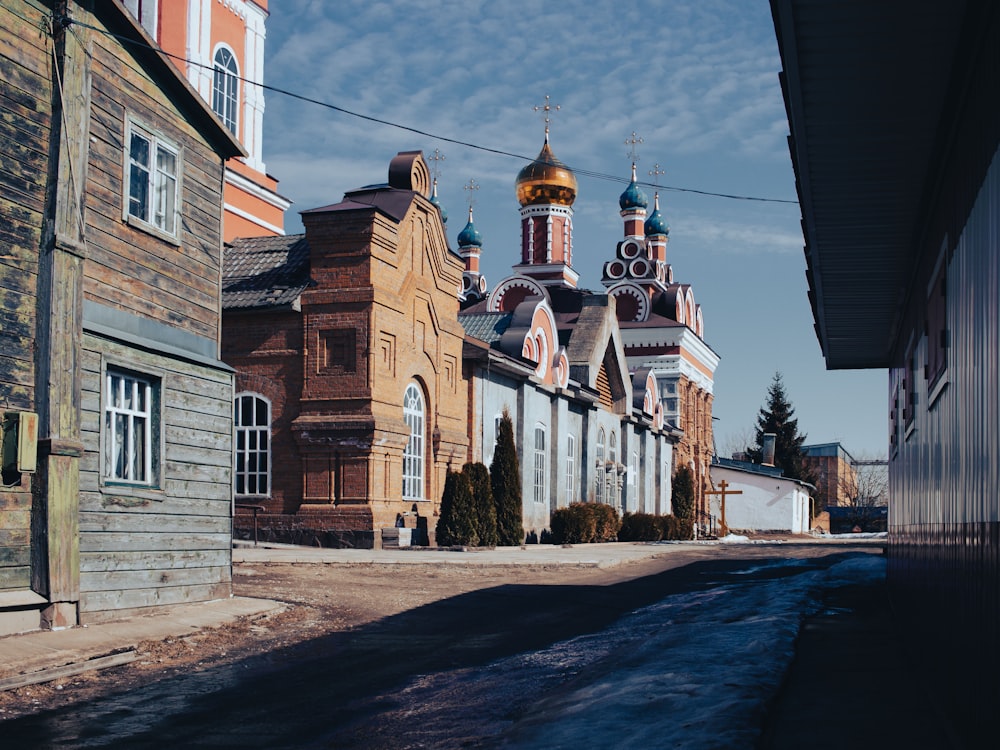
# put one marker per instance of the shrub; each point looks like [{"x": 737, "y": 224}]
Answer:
[
  {"x": 606, "y": 521},
  {"x": 505, "y": 477},
  {"x": 641, "y": 527},
  {"x": 676, "y": 529},
  {"x": 682, "y": 494},
  {"x": 573, "y": 525},
  {"x": 482, "y": 499},
  {"x": 457, "y": 522}
]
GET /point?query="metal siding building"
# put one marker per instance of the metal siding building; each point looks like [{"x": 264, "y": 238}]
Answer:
[{"x": 895, "y": 124}]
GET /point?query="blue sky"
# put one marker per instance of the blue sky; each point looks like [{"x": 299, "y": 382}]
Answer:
[{"x": 697, "y": 81}]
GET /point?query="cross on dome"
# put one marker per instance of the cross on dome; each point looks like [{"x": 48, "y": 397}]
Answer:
[{"x": 547, "y": 108}]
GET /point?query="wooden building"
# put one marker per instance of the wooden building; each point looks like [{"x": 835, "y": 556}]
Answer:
[
  {"x": 117, "y": 427},
  {"x": 220, "y": 48},
  {"x": 895, "y": 138}
]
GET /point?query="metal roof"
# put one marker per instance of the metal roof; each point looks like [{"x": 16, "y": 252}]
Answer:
[
  {"x": 867, "y": 87},
  {"x": 264, "y": 271}
]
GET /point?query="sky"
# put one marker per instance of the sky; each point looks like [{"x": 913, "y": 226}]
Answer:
[{"x": 696, "y": 81}]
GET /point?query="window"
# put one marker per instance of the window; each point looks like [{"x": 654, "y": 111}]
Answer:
[
  {"x": 152, "y": 181},
  {"x": 413, "y": 455},
  {"x": 633, "y": 468},
  {"x": 937, "y": 333},
  {"x": 570, "y": 468},
  {"x": 252, "y": 417},
  {"x": 539, "y": 465},
  {"x": 599, "y": 452},
  {"x": 145, "y": 12},
  {"x": 613, "y": 448},
  {"x": 225, "y": 88},
  {"x": 128, "y": 428}
]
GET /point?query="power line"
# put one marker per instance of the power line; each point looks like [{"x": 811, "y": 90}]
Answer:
[{"x": 417, "y": 131}]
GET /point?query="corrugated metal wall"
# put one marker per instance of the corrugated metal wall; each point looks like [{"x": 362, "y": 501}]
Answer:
[{"x": 944, "y": 567}]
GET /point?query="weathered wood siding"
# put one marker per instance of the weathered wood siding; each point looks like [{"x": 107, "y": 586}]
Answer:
[
  {"x": 128, "y": 268},
  {"x": 151, "y": 547},
  {"x": 25, "y": 97}
]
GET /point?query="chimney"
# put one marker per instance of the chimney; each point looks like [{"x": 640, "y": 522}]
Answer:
[{"x": 767, "y": 449}]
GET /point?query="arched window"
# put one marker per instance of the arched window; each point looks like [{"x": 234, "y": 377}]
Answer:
[
  {"x": 226, "y": 88},
  {"x": 600, "y": 480},
  {"x": 613, "y": 448},
  {"x": 413, "y": 455},
  {"x": 539, "y": 465},
  {"x": 252, "y": 470}
]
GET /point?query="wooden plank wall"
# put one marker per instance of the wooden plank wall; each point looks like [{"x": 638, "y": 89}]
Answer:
[
  {"x": 149, "y": 548},
  {"x": 127, "y": 267},
  {"x": 25, "y": 97}
]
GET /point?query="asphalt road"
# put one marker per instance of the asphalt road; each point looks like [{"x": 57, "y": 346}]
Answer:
[{"x": 346, "y": 689}]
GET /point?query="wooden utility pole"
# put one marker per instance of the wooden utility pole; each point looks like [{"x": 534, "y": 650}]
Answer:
[{"x": 723, "y": 492}]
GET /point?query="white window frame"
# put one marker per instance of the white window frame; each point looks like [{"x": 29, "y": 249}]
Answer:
[
  {"x": 146, "y": 13},
  {"x": 539, "y": 455},
  {"x": 251, "y": 447},
  {"x": 570, "y": 467},
  {"x": 414, "y": 414},
  {"x": 152, "y": 199},
  {"x": 127, "y": 432},
  {"x": 600, "y": 470},
  {"x": 226, "y": 87}
]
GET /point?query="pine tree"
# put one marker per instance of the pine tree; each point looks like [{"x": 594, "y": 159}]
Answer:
[
  {"x": 777, "y": 417},
  {"x": 457, "y": 523},
  {"x": 505, "y": 476},
  {"x": 482, "y": 500}
]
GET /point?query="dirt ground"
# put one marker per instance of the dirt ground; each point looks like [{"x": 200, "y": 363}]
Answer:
[{"x": 321, "y": 599}]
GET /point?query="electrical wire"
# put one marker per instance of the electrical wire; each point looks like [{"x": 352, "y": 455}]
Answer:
[{"x": 417, "y": 131}]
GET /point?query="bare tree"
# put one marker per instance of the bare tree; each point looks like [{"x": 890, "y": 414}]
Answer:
[
  {"x": 737, "y": 443},
  {"x": 866, "y": 489}
]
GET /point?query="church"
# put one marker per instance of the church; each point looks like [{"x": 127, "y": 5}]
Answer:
[{"x": 371, "y": 358}]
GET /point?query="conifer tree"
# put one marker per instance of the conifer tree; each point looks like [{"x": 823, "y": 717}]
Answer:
[
  {"x": 457, "y": 523},
  {"x": 505, "y": 476},
  {"x": 682, "y": 494},
  {"x": 482, "y": 500},
  {"x": 778, "y": 417}
]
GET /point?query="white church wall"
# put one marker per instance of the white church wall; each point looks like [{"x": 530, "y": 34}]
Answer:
[{"x": 768, "y": 503}]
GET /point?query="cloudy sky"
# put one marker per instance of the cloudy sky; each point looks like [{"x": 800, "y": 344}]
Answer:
[{"x": 697, "y": 80}]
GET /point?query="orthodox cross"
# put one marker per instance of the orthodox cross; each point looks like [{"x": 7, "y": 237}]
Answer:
[
  {"x": 472, "y": 187},
  {"x": 547, "y": 108},
  {"x": 722, "y": 492},
  {"x": 632, "y": 143},
  {"x": 655, "y": 173},
  {"x": 437, "y": 157}
]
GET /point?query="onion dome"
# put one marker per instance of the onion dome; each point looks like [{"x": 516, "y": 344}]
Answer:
[
  {"x": 546, "y": 181},
  {"x": 633, "y": 197},
  {"x": 436, "y": 202},
  {"x": 656, "y": 224},
  {"x": 470, "y": 237}
]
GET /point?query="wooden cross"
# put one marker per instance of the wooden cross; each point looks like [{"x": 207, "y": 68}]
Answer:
[
  {"x": 722, "y": 492},
  {"x": 546, "y": 108}
]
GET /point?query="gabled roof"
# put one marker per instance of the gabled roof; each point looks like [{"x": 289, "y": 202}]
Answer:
[{"x": 264, "y": 271}]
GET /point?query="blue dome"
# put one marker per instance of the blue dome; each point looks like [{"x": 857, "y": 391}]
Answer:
[
  {"x": 470, "y": 237},
  {"x": 440, "y": 208},
  {"x": 656, "y": 224},
  {"x": 633, "y": 197}
]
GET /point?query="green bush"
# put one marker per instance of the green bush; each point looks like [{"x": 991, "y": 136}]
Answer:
[
  {"x": 606, "y": 520},
  {"x": 641, "y": 527},
  {"x": 482, "y": 499},
  {"x": 573, "y": 525},
  {"x": 585, "y": 523},
  {"x": 457, "y": 521}
]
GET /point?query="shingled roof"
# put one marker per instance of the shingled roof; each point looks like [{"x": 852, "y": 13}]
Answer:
[{"x": 264, "y": 271}]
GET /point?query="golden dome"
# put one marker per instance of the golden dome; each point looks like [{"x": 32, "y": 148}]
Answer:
[{"x": 546, "y": 180}]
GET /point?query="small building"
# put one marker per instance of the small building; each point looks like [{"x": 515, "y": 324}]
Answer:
[
  {"x": 117, "y": 426},
  {"x": 767, "y": 501},
  {"x": 836, "y": 477}
]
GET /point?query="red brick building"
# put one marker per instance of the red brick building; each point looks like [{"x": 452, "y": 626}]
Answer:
[{"x": 349, "y": 401}]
